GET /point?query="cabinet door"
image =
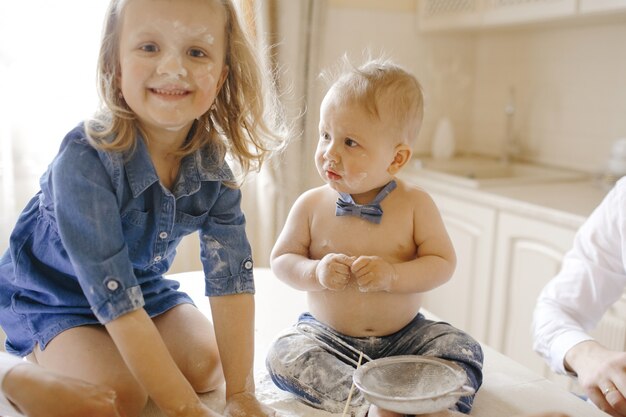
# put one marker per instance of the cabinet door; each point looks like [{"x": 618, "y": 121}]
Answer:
[
  {"x": 592, "y": 6},
  {"x": 448, "y": 14},
  {"x": 528, "y": 254},
  {"x": 505, "y": 12},
  {"x": 463, "y": 301}
]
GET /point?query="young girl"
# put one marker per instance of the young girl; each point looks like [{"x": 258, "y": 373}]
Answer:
[{"x": 82, "y": 290}]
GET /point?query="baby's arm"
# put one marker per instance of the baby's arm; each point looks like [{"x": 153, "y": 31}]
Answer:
[
  {"x": 289, "y": 259},
  {"x": 146, "y": 355},
  {"x": 433, "y": 265}
]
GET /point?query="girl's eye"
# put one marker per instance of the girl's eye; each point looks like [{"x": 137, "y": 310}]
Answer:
[
  {"x": 149, "y": 47},
  {"x": 351, "y": 143},
  {"x": 197, "y": 53},
  {"x": 325, "y": 136}
]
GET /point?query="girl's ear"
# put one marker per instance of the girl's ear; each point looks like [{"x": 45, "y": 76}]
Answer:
[{"x": 402, "y": 156}]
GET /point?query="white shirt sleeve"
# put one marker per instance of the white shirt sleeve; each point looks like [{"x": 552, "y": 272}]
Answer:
[
  {"x": 591, "y": 279},
  {"x": 8, "y": 362}
]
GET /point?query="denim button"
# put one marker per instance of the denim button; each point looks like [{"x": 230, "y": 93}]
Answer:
[
  {"x": 113, "y": 285},
  {"x": 163, "y": 235},
  {"x": 157, "y": 258},
  {"x": 248, "y": 265}
]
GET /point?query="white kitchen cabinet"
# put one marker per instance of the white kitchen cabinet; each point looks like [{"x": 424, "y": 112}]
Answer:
[
  {"x": 593, "y": 6},
  {"x": 507, "y": 12},
  {"x": 436, "y": 15},
  {"x": 448, "y": 14},
  {"x": 462, "y": 301},
  {"x": 528, "y": 253}
]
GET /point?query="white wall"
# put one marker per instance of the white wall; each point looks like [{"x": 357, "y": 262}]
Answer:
[
  {"x": 570, "y": 87},
  {"x": 569, "y": 79}
]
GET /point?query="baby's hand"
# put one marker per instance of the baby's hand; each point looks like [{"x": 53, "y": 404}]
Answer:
[
  {"x": 373, "y": 273},
  {"x": 333, "y": 271}
]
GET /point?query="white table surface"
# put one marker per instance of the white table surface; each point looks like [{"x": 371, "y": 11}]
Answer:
[{"x": 508, "y": 389}]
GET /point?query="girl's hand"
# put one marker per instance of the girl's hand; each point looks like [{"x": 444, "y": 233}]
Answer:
[
  {"x": 198, "y": 409},
  {"x": 245, "y": 404},
  {"x": 373, "y": 273},
  {"x": 333, "y": 271}
]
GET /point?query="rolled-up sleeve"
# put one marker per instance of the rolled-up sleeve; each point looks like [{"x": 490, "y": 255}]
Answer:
[
  {"x": 225, "y": 251},
  {"x": 88, "y": 216},
  {"x": 591, "y": 279}
]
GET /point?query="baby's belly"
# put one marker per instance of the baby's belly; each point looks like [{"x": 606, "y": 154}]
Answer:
[{"x": 359, "y": 314}]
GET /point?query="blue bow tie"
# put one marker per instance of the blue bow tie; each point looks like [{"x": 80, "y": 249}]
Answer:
[{"x": 371, "y": 212}]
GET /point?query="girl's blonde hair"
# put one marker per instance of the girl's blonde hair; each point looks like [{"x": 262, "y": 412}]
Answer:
[
  {"x": 380, "y": 85},
  {"x": 247, "y": 121}
]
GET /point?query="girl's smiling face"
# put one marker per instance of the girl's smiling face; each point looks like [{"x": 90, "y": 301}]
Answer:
[
  {"x": 172, "y": 60},
  {"x": 355, "y": 149}
]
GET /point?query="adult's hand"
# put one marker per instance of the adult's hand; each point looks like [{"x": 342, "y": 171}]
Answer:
[{"x": 602, "y": 375}]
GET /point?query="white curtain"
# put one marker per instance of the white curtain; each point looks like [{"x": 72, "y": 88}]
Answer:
[
  {"x": 47, "y": 86},
  {"x": 292, "y": 29}
]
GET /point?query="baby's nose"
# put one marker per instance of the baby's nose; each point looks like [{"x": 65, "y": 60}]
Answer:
[{"x": 332, "y": 153}]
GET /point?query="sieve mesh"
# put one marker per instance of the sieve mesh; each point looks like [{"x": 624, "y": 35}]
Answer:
[{"x": 410, "y": 378}]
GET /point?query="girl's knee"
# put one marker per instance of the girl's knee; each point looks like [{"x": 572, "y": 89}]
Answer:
[{"x": 204, "y": 370}]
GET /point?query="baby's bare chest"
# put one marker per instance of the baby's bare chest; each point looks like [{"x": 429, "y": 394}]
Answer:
[{"x": 392, "y": 239}]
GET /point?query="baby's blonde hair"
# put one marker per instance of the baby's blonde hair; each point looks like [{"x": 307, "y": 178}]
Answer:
[
  {"x": 246, "y": 121},
  {"x": 381, "y": 86}
]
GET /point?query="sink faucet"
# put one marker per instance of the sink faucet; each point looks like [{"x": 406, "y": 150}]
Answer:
[{"x": 510, "y": 148}]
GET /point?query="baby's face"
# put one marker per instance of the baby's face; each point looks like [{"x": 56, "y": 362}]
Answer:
[
  {"x": 355, "y": 149},
  {"x": 172, "y": 60}
]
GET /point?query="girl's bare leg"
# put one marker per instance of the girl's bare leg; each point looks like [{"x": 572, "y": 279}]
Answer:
[
  {"x": 89, "y": 354},
  {"x": 39, "y": 392},
  {"x": 190, "y": 339}
]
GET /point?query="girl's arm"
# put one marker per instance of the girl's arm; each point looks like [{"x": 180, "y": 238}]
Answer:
[
  {"x": 233, "y": 317},
  {"x": 146, "y": 355}
]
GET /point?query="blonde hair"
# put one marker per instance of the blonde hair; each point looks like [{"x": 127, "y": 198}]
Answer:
[
  {"x": 381, "y": 86},
  {"x": 246, "y": 121}
]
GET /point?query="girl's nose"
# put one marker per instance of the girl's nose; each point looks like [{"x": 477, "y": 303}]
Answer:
[{"x": 171, "y": 64}]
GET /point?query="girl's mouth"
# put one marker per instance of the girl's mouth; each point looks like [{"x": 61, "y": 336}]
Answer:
[{"x": 170, "y": 92}]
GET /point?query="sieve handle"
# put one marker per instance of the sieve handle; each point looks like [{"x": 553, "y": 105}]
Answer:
[{"x": 464, "y": 390}]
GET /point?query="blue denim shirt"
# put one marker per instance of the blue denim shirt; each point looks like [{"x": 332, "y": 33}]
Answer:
[{"x": 103, "y": 229}]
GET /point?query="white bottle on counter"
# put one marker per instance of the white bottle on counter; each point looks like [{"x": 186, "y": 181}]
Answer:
[{"x": 443, "y": 144}]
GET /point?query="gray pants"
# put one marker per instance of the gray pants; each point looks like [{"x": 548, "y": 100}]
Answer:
[{"x": 317, "y": 366}]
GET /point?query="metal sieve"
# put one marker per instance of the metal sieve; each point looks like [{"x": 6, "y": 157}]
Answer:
[{"x": 412, "y": 384}]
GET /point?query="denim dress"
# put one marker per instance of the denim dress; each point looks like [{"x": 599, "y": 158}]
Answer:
[{"x": 94, "y": 242}]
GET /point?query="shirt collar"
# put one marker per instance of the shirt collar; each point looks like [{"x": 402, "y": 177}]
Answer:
[{"x": 202, "y": 165}]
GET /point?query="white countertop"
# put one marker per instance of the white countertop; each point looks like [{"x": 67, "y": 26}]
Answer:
[
  {"x": 566, "y": 203},
  {"x": 508, "y": 389}
]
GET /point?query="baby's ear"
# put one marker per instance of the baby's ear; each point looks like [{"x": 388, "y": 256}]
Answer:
[{"x": 401, "y": 157}]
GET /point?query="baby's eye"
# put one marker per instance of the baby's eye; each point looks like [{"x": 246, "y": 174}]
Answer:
[
  {"x": 351, "y": 143},
  {"x": 149, "y": 47},
  {"x": 324, "y": 136},
  {"x": 197, "y": 53}
]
